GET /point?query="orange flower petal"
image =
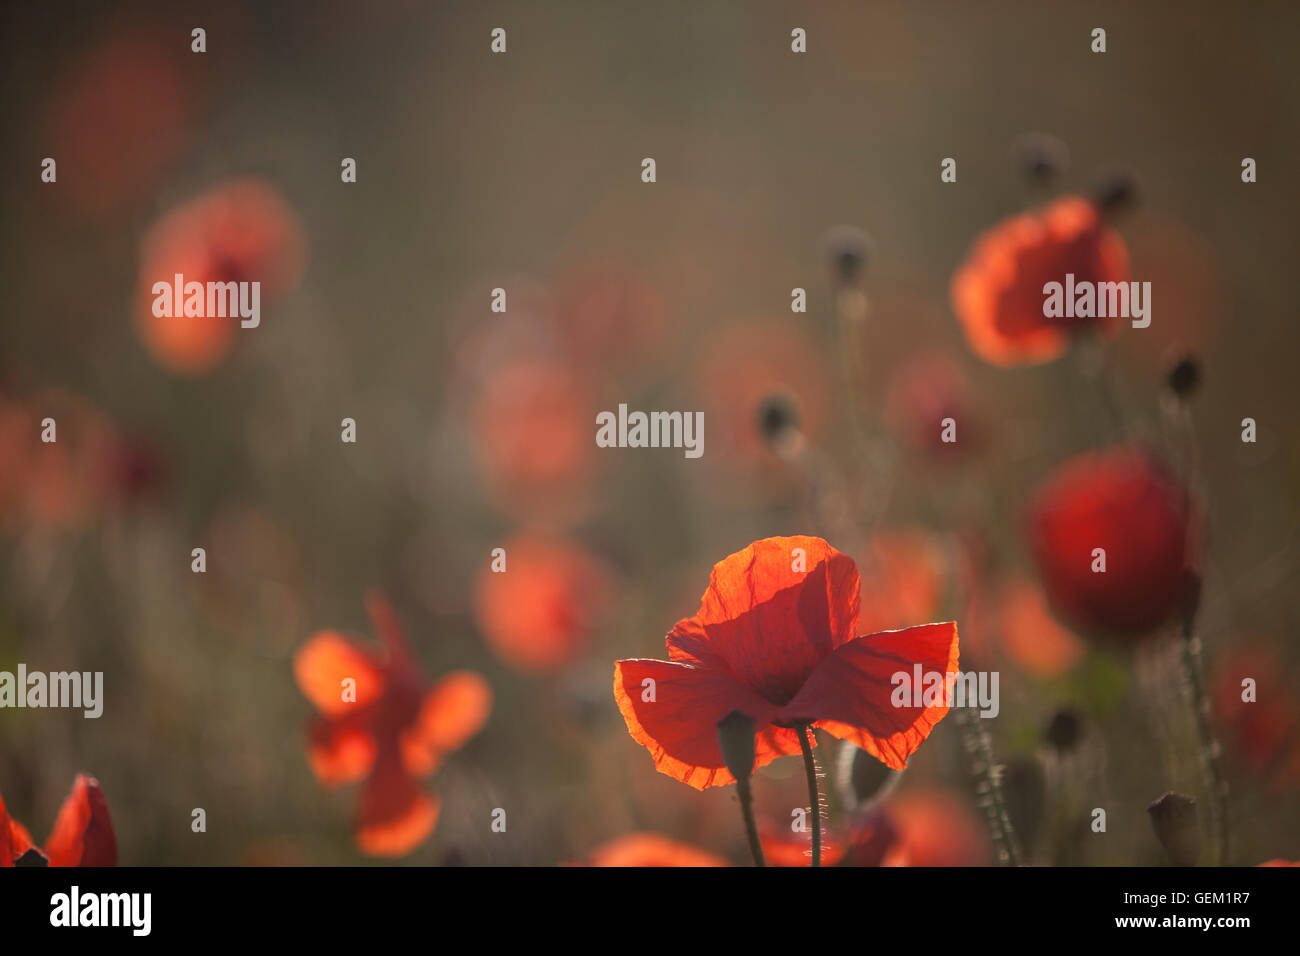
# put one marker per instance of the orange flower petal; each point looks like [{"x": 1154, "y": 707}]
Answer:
[
  {"x": 849, "y": 693},
  {"x": 771, "y": 613},
  {"x": 679, "y": 726},
  {"x": 651, "y": 849},
  {"x": 395, "y": 815},
  {"x": 340, "y": 751},
  {"x": 14, "y": 838},
  {"x": 322, "y": 664},
  {"x": 83, "y": 831},
  {"x": 452, "y": 712}
]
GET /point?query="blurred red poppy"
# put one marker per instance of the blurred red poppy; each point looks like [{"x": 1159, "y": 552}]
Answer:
[
  {"x": 651, "y": 849},
  {"x": 607, "y": 317},
  {"x": 776, "y": 639},
  {"x": 997, "y": 292},
  {"x": 240, "y": 231},
  {"x": 1260, "y": 729},
  {"x": 534, "y": 432},
  {"x": 391, "y": 732},
  {"x": 1132, "y": 507},
  {"x": 927, "y": 389},
  {"x": 82, "y": 834},
  {"x": 541, "y": 611},
  {"x": 907, "y": 571},
  {"x": 1030, "y": 635},
  {"x": 936, "y": 828}
]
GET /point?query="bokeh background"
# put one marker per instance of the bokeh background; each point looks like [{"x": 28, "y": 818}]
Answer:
[{"x": 476, "y": 429}]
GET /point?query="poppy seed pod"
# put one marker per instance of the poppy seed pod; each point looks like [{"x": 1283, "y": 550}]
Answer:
[
  {"x": 1040, "y": 157},
  {"x": 1173, "y": 817},
  {"x": 778, "y": 418},
  {"x": 736, "y": 738},
  {"x": 1185, "y": 377},
  {"x": 847, "y": 249}
]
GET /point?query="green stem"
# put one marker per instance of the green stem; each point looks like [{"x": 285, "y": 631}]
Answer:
[
  {"x": 751, "y": 827},
  {"x": 814, "y": 795}
]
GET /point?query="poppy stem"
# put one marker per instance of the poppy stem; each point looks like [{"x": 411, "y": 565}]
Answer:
[
  {"x": 751, "y": 826},
  {"x": 814, "y": 795}
]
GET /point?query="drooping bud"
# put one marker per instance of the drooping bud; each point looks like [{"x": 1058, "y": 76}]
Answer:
[
  {"x": 1173, "y": 817},
  {"x": 736, "y": 738},
  {"x": 778, "y": 421},
  {"x": 1115, "y": 193},
  {"x": 1064, "y": 731},
  {"x": 1041, "y": 158}
]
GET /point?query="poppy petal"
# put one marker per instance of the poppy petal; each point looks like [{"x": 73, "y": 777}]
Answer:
[
  {"x": 14, "y": 838},
  {"x": 849, "y": 693},
  {"x": 451, "y": 713},
  {"x": 679, "y": 724},
  {"x": 771, "y": 613},
  {"x": 341, "y": 750},
  {"x": 651, "y": 849},
  {"x": 394, "y": 815},
  {"x": 325, "y": 661},
  {"x": 83, "y": 831}
]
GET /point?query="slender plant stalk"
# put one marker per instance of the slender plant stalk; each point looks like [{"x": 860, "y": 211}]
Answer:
[
  {"x": 814, "y": 794},
  {"x": 751, "y": 827},
  {"x": 1211, "y": 770},
  {"x": 989, "y": 787}
]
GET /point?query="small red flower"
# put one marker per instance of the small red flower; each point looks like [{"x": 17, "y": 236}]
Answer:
[
  {"x": 241, "y": 231},
  {"x": 82, "y": 834},
  {"x": 395, "y": 731},
  {"x": 776, "y": 639},
  {"x": 651, "y": 849},
  {"x": 998, "y": 292},
  {"x": 1132, "y": 507}
]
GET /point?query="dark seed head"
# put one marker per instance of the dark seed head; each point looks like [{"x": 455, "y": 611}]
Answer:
[
  {"x": 847, "y": 248},
  {"x": 778, "y": 418},
  {"x": 1185, "y": 377},
  {"x": 736, "y": 738},
  {"x": 1040, "y": 157},
  {"x": 1064, "y": 730},
  {"x": 1116, "y": 192}
]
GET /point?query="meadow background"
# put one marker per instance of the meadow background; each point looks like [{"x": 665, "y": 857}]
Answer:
[{"x": 476, "y": 430}]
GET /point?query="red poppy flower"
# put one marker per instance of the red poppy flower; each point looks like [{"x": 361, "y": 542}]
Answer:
[
  {"x": 651, "y": 849},
  {"x": 394, "y": 731},
  {"x": 82, "y": 834},
  {"x": 936, "y": 828},
  {"x": 998, "y": 292},
  {"x": 776, "y": 638},
  {"x": 1131, "y": 506},
  {"x": 541, "y": 612},
  {"x": 239, "y": 232},
  {"x": 928, "y": 388},
  {"x": 1030, "y": 635}
]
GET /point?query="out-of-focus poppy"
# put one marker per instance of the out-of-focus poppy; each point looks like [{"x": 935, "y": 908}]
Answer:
[
  {"x": 997, "y": 292},
  {"x": 927, "y": 390},
  {"x": 784, "y": 846},
  {"x": 1280, "y": 862},
  {"x": 391, "y": 731},
  {"x": 541, "y": 611},
  {"x": 1030, "y": 635},
  {"x": 1131, "y": 506},
  {"x": 651, "y": 849},
  {"x": 936, "y": 828},
  {"x": 776, "y": 639},
  {"x": 1258, "y": 730},
  {"x": 534, "y": 429},
  {"x": 240, "y": 231},
  {"x": 607, "y": 316},
  {"x": 906, "y": 571},
  {"x": 118, "y": 119},
  {"x": 82, "y": 834},
  {"x": 61, "y": 483}
]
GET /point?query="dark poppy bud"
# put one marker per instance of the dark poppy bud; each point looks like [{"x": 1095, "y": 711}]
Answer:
[
  {"x": 864, "y": 780},
  {"x": 778, "y": 418},
  {"x": 1173, "y": 817},
  {"x": 1115, "y": 193},
  {"x": 1185, "y": 377},
  {"x": 1064, "y": 731},
  {"x": 736, "y": 738},
  {"x": 847, "y": 248},
  {"x": 32, "y": 857},
  {"x": 1041, "y": 157}
]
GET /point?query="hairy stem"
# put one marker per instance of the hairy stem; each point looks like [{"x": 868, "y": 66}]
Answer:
[{"x": 814, "y": 794}]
